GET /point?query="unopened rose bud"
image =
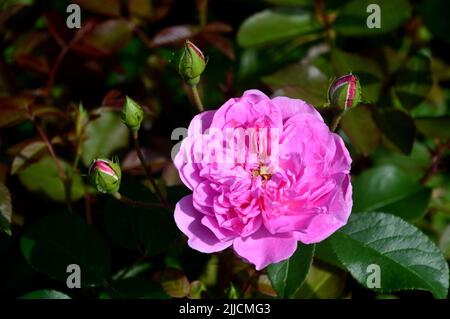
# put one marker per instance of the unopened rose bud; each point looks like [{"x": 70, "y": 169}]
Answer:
[
  {"x": 132, "y": 114},
  {"x": 105, "y": 175},
  {"x": 345, "y": 92},
  {"x": 192, "y": 63}
]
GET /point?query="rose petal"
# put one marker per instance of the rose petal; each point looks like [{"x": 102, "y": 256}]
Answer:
[
  {"x": 200, "y": 123},
  {"x": 189, "y": 222},
  {"x": 221, "y": 233},
  {"x": 290, "y": 107},
  {"x": 263, "y": 248}
]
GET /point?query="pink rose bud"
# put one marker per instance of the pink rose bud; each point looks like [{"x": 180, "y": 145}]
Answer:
[
  {"x": 105, "y": 175},
  {"x": 345, "y": 92}
]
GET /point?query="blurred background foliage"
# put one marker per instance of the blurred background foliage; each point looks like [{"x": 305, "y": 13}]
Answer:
[{"x": 61, "y": 90}]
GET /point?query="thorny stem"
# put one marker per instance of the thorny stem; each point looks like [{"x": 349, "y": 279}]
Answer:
[
  {"x": 436, "y": 160},
  {"x": 197, "y": 99},
  {"x": 135, "y": 203}
]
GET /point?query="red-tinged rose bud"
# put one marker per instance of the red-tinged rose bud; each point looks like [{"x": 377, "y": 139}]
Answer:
[
  {"x": 345, "y": 92},
  {"x": 192, "y": 63},
  {"x": 105, "y": 175}
]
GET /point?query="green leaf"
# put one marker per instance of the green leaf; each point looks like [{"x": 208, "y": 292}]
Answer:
[
  {"x": 300, "y": 3},
  {"x": 413, "y": 82},
  {"x": 434, "y": 127},
  {"x": 323, "y": 282},
  {"x": 111, "y": 35},
  {"x": 196, "y": 289},
  {"x": 156, "y": 230},
  {"x": 104, "y": 136},
  {"x": 45, "y": 294},
  {"x": 353, "y": 17},
  {"x": 444, "y": 242},
  {"x": 435, "y": 16},
  {"x": 43, "y": 176},
  {"x": 407, "y": 258},
  {"x": 398, "y": 127},
  {"x": 152, "y": 230},
  {"x": 288, "y": 276},
  {"x": 414, "y": 164},
  {"x": 360, "y": 127},
  {"x": 106, "y": 7},
  {"x": 175, "y": 283},
  {"x": 299, "y": 81},
  {"x": 5, "y": 209},
  {"x": 119, "y": 221},
  {"x": 232, "y": 292},
  {"x": 257, "y": 62},
  {"x": 27, "y": 153},
  {"x": 324, "y": 252},
  {"x": 13, "y": 110},
  {"x": 58, "y": 240},
  {"x": 135, "y": 270},
  {"x": 16, "y": 275},
  {"x": 275, "y": 25},
  {"x": 389, "y": 189},
  {"x": 135, "y": 288}
]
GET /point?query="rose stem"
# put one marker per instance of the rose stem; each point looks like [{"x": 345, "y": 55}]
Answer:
[
  {"x": 203, "y": 12},
  {"x": 197, "y": 99},
  {"x": 335, "y": 122},
  {"x": 437, "y": 158},
  {"x": 134, "y": 203},
  {"x": 148, "y": 171},
  {"x": 88, "y": 208}
]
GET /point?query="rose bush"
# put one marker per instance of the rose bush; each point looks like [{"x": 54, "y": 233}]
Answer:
[{"x": 265, "y": 173}]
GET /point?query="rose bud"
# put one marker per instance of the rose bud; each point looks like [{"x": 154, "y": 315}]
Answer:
[
  {"x": 132, "y": 114},
  {"x": 105, "y": 175},
  {"x": 345, "y": 92},
  {"x": 192, "y": 63}
]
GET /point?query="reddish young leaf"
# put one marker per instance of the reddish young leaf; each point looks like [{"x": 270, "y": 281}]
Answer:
[
  {"x": 221, "y": 43},
  {"x": 105, "y": 7},
  {"x": 111, "y": 35},
  {"x": 13, "y": 110},
  {"x": 174, "y": 34}
]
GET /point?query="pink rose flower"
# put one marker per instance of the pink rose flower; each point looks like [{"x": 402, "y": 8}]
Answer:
[{"x": 264, "y": 174}]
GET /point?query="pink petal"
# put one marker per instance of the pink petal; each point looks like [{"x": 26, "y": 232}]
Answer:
[
  {"x": 189, "y": 221},
  {"x": 200, "y": 123},
  {"x": 263, "y": 248},
  {"x": 222, "y": 234},
  {"x": 324, "y": 225},
  {"x": 290, "y": 107}
]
